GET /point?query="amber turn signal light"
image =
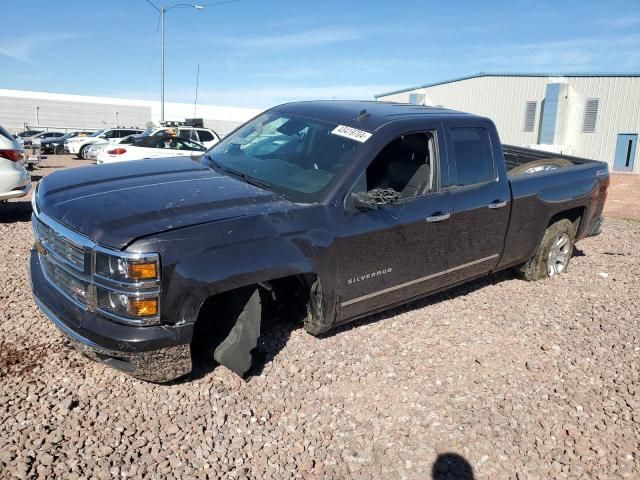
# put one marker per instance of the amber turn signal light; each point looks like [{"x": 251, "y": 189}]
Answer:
[
  {"x": 143, "y": 271},
  {"x": 144, "y": 307}
]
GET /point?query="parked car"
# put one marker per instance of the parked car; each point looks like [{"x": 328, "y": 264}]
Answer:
[
  {"x": 25, "y": 134},
  {"x": 77, "y": 146},
  {"x": 37, "y": 139},
  {"x": 202, "y": 135},
  {"x": 156, "y": 146},
  {"x": 335, "y": 210},
  {"x": 56, "y": 145},
  {"x": 92, "y": 151},
  {"x": 15, "y": 181}
]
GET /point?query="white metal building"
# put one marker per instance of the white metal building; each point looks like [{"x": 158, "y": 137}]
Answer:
[
  {"x": 40, "y": 109},
  {"x": 588, "y": 115}
]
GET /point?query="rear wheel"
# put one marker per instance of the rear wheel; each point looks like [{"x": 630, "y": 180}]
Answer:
[
  {"x": 553, "y": 254},
  {"x": 82, "y": 151},
  {"x": 59, "y": 150}
]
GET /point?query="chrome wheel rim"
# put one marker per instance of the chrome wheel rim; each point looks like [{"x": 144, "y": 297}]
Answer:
[{"x": 559, "y": 255}]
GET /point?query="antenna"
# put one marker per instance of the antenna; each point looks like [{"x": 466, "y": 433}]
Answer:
[
  {"x": 195, "y": 102},
  {"x": 363, "y": 114}
]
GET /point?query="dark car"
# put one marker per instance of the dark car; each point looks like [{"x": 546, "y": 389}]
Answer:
[
  {"x": 333, "y": 209},
  {"x": 27, "y": 133},
  {"x": 36, "y": 139},
  {"x": 56, "y": 144}
]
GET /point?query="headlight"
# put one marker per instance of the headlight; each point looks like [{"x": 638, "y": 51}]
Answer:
[
  {"x": 128, "y": 286},
  {"x": 127, "y": 305},
  {"x": 127, "y": 269}
]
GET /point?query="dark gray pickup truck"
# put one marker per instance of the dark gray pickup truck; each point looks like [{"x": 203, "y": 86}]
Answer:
[{"x": 343, "y": 208}]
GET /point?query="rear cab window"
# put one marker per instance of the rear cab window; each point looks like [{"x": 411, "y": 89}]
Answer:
[{"x": 471, "y": 159}]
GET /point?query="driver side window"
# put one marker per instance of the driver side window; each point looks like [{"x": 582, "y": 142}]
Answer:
[{"x": 404, "y": 166}]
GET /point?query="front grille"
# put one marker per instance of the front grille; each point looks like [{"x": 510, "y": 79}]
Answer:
[
  {"x": 60, "y": 246},
  {"x": 70, "y": 285}
]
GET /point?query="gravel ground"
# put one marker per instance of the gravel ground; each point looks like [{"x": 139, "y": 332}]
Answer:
[{"x": 514, "y": 380}]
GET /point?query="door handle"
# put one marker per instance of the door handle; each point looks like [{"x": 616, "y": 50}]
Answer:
[
  {"x": 438, "y": 218},
  {"x": 497, "y": 204}
]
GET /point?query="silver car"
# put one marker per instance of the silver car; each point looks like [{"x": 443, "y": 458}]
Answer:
[{"x": 15, "y": 181}]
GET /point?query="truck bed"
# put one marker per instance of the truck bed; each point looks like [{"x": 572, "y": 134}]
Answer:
[{"x": 517, "y": 156}]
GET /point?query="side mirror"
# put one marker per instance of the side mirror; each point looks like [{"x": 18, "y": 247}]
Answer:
[
  {"x": 363, "y": 201},
  {"x": 374, "y": 198}
]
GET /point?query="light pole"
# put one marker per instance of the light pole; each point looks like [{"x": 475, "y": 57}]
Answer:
[
  {"x": 117, "y": 124},
  {"x": 163, "y": 10}
]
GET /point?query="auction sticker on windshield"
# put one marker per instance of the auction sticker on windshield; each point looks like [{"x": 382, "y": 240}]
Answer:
[{"x": 352, "y": 133}]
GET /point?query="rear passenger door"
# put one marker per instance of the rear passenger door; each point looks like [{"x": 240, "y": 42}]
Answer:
[{"x": 481, "y": 199}]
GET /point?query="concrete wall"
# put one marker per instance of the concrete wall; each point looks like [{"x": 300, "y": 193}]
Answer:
[
  {"x": 18, "y": 108},
  {"x": 503, "y": 98}
]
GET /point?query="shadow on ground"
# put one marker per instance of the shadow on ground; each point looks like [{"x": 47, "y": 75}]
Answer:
[
  {"x": 11, "y": 212},
  {"x": 451, "y": 466}
]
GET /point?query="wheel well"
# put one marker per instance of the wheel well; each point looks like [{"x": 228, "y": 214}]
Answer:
[
  {"x": 282, "y": 300},
  {"x": 574, "y": 215},
  {"x": 280, "y": 296}
]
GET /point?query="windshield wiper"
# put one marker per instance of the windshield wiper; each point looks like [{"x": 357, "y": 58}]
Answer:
[{"x": 256, "y": 182}]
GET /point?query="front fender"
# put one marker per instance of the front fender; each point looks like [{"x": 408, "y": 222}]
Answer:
[{"x": 200, "y": 276}]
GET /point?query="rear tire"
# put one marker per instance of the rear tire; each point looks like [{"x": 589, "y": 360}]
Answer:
[{"x": 553, "y": 254}]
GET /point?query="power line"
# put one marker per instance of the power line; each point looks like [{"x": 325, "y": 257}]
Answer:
[{"x": 152, "y": 4}]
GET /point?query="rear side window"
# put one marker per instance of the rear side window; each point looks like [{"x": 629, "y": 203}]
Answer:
[
  {"x": 205, "y": 136},
  {"x": 188, "y": 133},
  {"x": 473, "y": 157}
]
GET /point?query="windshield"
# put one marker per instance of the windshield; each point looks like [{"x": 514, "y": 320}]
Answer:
[
  {"x": 288, "y": 154},
  {"x": 95, "y": 134}
]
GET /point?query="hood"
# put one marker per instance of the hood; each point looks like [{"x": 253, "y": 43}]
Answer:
[{"x": 115, "y": 204}]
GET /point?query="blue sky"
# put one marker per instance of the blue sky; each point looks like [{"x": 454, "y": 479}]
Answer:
[{"x": 258, "y": 53}]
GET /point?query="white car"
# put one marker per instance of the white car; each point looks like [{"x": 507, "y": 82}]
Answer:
[
  {"x": 92, "y": 151},
  {"x": 15, "y": 181},
  {"x": 201, "y": 135},
  {"x": 77, "y": 146},
  {"x": 151, "y": 147}
]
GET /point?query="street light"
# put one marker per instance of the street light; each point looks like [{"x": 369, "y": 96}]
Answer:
[{"x": 163, "y": 10}]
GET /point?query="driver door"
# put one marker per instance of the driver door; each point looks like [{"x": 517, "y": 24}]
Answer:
[{"x": 398, "y": 251}]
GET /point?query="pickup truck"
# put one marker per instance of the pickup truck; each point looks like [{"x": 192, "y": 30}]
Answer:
[{"x": 331, "y": 210}]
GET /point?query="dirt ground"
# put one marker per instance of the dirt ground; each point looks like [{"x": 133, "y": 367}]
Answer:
[
  {"x": 624, "y": 197},
  {"x": 496, "y": 379}
]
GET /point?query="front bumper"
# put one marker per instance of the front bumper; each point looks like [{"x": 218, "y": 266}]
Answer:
[
  {"x": 16, "y": 192},
  {"x": 156, "y": 354}
]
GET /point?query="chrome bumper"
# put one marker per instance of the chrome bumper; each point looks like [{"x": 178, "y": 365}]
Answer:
[{"x": 154, "y": 366}]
